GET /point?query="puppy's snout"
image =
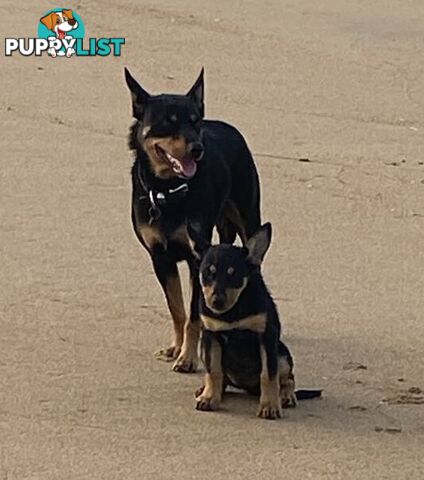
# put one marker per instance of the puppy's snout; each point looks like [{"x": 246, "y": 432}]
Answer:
[
  {"x": 196, "y": 150},
  {"x": 218, "y": 301},
  {"x": 72, "y": 21}
]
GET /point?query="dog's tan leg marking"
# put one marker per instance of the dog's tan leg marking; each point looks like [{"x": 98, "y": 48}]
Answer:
[
  {"x": 174, "y": 298},
  {"x": 176, "y": 307},
  {"x": 200, "y": 390},
  {"x": 233, "y": 214},
  {"x": 176, "y": 301},
  {"x": 269, "y": 402},
  {"x": 188, "y": 358},
  {"x": 211, "y": 395},
  {"x": 287, "y": 384},
  {"x": 151, "y": 236}
]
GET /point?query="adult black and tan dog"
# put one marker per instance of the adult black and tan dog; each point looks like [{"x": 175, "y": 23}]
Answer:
[
  {"x": 241, "y": 343},
  {"x": 187, "y": 169}
]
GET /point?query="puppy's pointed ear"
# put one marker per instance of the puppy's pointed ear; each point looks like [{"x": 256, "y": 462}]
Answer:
[
  {"x": 68, "y": 13},
  {"x": 198, "y": 241},
  {"x": 258, "y": 244},
  {"x": 49, "y": 20},
  {"x": 197, "y": 93},
  {"x": 138, "y": 94}
]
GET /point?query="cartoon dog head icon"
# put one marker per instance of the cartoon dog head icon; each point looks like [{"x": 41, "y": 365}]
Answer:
[{"x": 60, "y": 22}]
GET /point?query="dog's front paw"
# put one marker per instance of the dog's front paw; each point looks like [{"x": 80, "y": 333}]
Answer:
[
  {"x": 269, "y": 411},
  {"x": 207, "y": 404},
  {"x": 168, "y": 354},
  {"x": 185, "y": 363},
  {"x": 70, "y": 51},
  {"x": 52, "y": 52}
]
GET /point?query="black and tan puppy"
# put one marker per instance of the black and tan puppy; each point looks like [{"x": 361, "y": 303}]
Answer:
[
  {"x": 241, "y": 343},
  {"x": 186, "y": 169}
]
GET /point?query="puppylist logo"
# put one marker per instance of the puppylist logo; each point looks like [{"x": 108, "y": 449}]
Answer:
[{"x": 61, "y": 34}]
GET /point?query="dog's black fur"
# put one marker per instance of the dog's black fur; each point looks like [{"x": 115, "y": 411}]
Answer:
[
  {"x": 187, "y": 169},
  {"x": 241, "y": 343}
]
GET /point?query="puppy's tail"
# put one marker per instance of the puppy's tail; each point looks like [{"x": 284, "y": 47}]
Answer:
[{"x": 303, "y": 394}]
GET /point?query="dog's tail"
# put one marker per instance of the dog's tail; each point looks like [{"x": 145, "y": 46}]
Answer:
[{"x": 304, "y": 394}]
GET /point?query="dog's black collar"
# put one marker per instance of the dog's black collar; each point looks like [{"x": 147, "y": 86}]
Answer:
[{"x": 158, "y": 199}]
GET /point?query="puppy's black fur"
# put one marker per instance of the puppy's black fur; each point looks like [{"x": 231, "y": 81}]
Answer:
[
  {"x": 241, "y": 329},
  {"x": 186, "y": 169}
]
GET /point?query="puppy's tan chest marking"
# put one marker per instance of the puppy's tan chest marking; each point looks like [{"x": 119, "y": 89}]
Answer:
[{"x": 254, "y": 323}]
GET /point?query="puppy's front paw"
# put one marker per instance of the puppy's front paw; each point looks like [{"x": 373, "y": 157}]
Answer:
[
  {"x": 269, "y": 411},
  {"x": 207, "y": 404},
  {"x": 289, "y": 401},
  {"x": 52, "y": 52},
  {"x": 185, "y": 363},
  {"x": 287, "y": 395},
  {"x": 70, "y": 52}
]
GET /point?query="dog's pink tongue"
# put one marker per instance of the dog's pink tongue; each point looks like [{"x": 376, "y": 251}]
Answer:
[
  {"x": 61, "y": 34},
  {"x": 188, "y": 166}
]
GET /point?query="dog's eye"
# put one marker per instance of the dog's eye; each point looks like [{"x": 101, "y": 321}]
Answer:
[
  {"x": 58, "y": 20},
  {"x": 230, "y": 270},
  {"x": 212, "y": 269},
  {"x": 194, "y": 119},
  {"x": 173, "y": 118}
]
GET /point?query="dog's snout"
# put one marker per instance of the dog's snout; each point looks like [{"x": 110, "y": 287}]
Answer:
[
  {"x": 196, "y": 150},
  {"x": 72, "y": 21},
  {"x": 219, "y": 301}
]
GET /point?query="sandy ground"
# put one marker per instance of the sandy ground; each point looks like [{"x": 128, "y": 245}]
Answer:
[{"x": 335, "y": 81}]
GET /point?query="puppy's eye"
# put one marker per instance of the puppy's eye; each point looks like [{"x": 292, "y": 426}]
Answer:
[
  {"x": 194, "y": 118},
  {"x": 173, "y": 118},
  {"x": 58, "y": 21},
  {"x": 230, "y": 270},
  {"x": 212, "y": 269}
]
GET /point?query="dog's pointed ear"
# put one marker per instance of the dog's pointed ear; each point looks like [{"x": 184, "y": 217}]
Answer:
[
  {"x": 68, "y": 13},
  {"x": 49, "y": 20},
  {"x": 198, "y": 241},
  {"x": 258, "y": 244},
  {"x": 138, "y": 94},
  {"x": 197, "y": 93}
]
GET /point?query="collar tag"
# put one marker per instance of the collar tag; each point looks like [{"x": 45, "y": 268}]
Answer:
[
  {"x": 160, "y": 198},
  {"x": 154, "y": 210}
]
